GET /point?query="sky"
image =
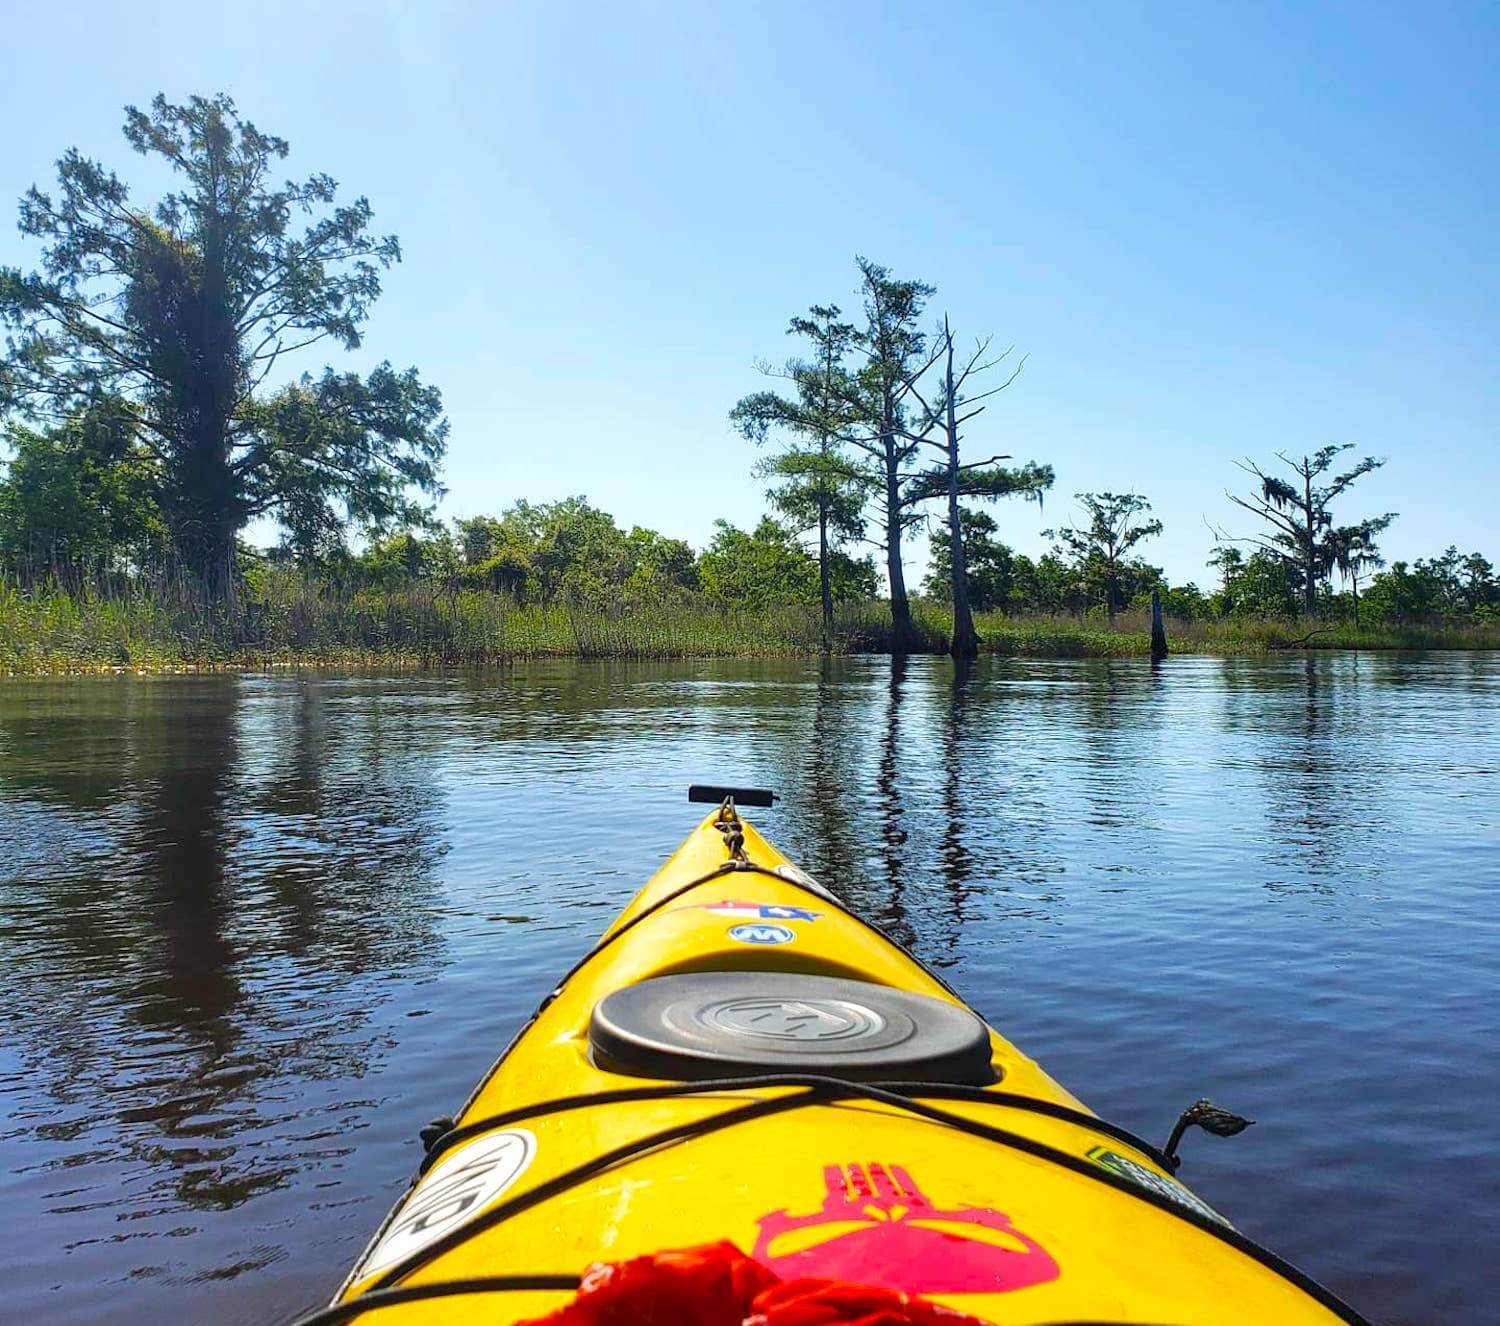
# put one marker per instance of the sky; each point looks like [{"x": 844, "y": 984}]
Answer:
[{"x": 1216, "y": 230}]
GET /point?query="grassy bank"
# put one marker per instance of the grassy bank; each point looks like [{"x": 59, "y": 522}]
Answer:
[
  {"x": 1070, "y": 637},
  {"x": 424, "y": 626}
]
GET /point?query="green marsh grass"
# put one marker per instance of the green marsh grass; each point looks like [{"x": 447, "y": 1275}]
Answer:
[{"x": 298, "y": 622}]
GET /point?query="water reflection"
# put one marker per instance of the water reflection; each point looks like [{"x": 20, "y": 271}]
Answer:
[
  {"x": 221, "y": 900},
  {"x": 892, "y": 813},
  {"x": 1320, "y": 761},
  {"x": 178, "y": 998},
  {"x": 182, "y": 838},
  {"x": 957, "y": 858},
  {"x": 827, "y": 801}
]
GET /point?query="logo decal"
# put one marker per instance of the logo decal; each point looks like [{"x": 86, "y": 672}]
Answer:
[
  {"x": 1149, "y": 1179},
  {"x": 762, "y": 934},
  {"x": 876, "y": 1226},
  {"x": 464, "y": 1181},
  {"x": 765, "y": 911}
]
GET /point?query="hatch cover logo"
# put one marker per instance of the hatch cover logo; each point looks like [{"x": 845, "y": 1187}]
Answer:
[
  {"x": 878, "y": 1227},
  {"x": 762, "y": 934}
]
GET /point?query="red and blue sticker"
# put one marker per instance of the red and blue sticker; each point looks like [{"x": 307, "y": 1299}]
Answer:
[{"x": 756, "y": 911}]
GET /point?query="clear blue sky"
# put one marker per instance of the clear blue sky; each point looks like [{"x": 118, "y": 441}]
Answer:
[{"x": 1217, "y": 229}]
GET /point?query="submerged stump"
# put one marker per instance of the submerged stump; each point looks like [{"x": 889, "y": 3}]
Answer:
[{"x": 1158, "y": 629}]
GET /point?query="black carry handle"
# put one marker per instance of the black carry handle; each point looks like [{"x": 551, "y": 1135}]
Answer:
[{"x": 741, "y": 796}]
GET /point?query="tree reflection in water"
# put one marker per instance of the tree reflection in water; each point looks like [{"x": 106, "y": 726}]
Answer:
[{"x": 195, "y": 1038}]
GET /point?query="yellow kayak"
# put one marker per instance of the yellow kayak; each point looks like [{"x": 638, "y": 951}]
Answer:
[{"x": 742, "y": 1058}]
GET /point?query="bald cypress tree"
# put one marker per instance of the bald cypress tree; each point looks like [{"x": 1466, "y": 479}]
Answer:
[{"x": 180, "y": 313}]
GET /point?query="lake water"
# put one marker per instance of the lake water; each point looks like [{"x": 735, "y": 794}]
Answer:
[{"x": 256, "y": 930}]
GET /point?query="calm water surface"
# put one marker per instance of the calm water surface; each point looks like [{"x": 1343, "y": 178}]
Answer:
[{"x": 256, "y": 930}]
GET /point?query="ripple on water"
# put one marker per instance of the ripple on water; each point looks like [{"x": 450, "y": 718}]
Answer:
[{"x": 257, "y": 930}]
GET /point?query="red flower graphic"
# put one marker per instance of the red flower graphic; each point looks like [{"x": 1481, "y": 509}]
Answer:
[{"x": 902, "y": 1241}]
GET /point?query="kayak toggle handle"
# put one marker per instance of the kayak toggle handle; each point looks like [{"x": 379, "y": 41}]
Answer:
[
  {"x": 715, "y": 793},
  {"x": 1204, "y": 1114}
]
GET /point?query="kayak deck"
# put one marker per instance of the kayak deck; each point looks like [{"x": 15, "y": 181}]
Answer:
[{"x": 1007, "y": 1200}]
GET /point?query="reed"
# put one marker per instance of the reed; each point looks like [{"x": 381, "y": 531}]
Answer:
[{"x": 293, "y": 621}]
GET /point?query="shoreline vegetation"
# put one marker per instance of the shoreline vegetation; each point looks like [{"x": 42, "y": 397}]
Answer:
[
  {"x": 151, "y": 415},
  {"x": 423, "y": 626}
]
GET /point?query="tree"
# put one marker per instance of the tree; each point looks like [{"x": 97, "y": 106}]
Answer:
[
  {"x": 816, "y": 485},
  {"x": 479, "y": 538},
  {"x": 1185, "y": 602},
  {"x": 1300, "y": 514},
  {"x": 659, "y": 564},
  {"x": 758, "y": 569},
  {"x": 1261, "y": 585},
  {"x": 1101, "y": 548},
  {"x": 393, "y": 560},
  {"x": 183, "y": 312},
  {"x": 1403, "y": 594},
  {"x": 1229, "y": 562},
  {"x": 952, "y": 478},
  {"x": 570, "y": 549},
  {"x": 1353, "y": 550},
  {"x": 77, "y": 500},
  {"x": 991, "y": 565},
  {"x": 894, "y": 348},
  {"x": 1480, "y": 592}
]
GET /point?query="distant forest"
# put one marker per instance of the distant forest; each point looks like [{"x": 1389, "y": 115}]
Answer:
[{"x": 152, "y": 410}]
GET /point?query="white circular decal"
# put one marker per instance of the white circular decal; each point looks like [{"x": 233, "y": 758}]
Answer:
[
  {"x": 461, "y": 1184},
  {"x": 762, "y": 934}
]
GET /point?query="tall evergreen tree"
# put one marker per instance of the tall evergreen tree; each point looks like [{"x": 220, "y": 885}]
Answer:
[
  {"x": 895, "y": 352},
  {"x": 815, "y": 484},
  {"x": 184, "y": 311}
]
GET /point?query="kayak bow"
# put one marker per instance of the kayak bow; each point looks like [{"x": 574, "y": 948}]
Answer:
[{"x": 740, "y": 1057}]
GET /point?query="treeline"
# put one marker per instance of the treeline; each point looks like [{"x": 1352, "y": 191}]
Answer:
[
  {"x": 572, "y": 553},
  {"x": 1450, "y": 589},
  {"x": 150, "y": 420}
]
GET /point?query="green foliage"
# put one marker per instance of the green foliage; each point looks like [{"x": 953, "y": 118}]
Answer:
[
  {"x": 1004, "y": 581},
  {"x": 1185, "y": 603},
  {"x": 660, "y": 565},
  {"x": 570, "y": 551},
  {"x": 991, "y": 564},
  {"x": 1264, "y": 585},
  {"x": 769, "y": 566},
  {"x": 405, "y": 558},
  {"x": 1101, "y": 549},
  {"x": 78, "y": 500},
  {"x": 815, "y": 485},
  {"x": 1451, "y": 588},
  {"x": 297, "y": 618},
  {"x": 754, "y": 569},
  {"x": 181, "y": 311}
]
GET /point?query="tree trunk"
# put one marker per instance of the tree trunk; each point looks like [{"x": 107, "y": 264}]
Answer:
[
  {"x": 1310, "y": 552},
  {"x": 825, "y": 580},
  {"x": 1354, "y": 586},
  {"x": 903, "y": 631},
  {"x": 965, "y": 642},
  {"x": 206, "y": 517}
]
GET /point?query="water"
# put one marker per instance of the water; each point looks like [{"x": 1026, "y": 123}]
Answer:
[{"x": 256, "y": 930}]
